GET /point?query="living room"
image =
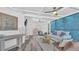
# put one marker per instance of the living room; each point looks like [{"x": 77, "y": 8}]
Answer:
[{"x": 22, "y": 27}]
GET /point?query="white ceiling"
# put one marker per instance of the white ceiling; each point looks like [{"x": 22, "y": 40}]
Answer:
[
  {"x": 35, "y": 9},
  {"x": 65, "y": 11}
]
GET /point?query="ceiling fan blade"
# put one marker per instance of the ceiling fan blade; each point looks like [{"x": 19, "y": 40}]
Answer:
[
  {"x": 48, "y": 11},
  {"x": 74, "y": 8},
  {"x": 59, "y": 8},
  {"x": 54, "y": 10}
]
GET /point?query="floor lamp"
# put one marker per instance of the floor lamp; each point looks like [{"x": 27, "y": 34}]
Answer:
[{"x": 25, "y": 24}]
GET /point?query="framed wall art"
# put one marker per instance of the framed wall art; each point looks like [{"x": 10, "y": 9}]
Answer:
[{"x": 8, "y": 22}]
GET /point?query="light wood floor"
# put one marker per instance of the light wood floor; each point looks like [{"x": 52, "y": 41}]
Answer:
[{"x": 75, "y": 46}]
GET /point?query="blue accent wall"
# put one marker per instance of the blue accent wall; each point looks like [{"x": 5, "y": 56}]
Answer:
[{"x": 69, "y": 23}]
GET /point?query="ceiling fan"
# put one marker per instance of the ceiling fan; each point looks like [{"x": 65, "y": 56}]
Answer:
[{"x": 54, "y": 11}]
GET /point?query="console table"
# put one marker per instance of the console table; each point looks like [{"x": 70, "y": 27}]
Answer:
[{"x": 18, "y": 37}]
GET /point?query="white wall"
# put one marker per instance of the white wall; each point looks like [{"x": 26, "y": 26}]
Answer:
[
  {"x": 20, "y": 25},
  {"x": 34, "y": 23},
  {"x": 13, "y": 13}
]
